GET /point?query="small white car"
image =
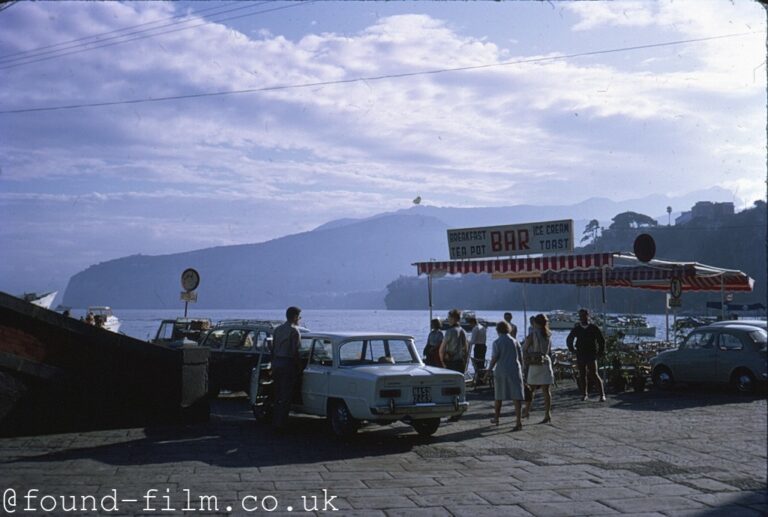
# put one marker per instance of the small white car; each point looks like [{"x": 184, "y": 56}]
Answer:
[{"x": 356, "y": 377}]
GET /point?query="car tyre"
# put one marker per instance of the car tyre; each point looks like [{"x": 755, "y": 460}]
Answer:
[
  {"x": 662, "y": 378},
  {"x": 343, "y": 424},
  {"x": 262, "y": 413},
  {"x": 743, "y": 382},
  {"x": 426, "y": 426}
]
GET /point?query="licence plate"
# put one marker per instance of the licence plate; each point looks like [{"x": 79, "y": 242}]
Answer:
[{"x": 422, "y": 395}]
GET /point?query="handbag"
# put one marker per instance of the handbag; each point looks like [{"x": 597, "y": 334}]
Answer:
[{"x": 535, "y": 359}]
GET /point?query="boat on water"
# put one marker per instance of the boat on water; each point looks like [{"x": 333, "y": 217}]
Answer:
[
  {"x": 628, "y": 325},
  {"x": 464, "y": 321},
  {"x": 43, "y": 300},
  {"x": 103, "y": 317},
  {"x": 562, "y": 320}
]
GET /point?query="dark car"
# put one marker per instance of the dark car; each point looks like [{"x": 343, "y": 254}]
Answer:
[{"x": 732, "y": 353}]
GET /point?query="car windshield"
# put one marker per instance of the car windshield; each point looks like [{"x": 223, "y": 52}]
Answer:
[{"x": 362, "y": 352}]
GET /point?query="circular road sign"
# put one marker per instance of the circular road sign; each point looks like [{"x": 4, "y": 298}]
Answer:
[
  {"x": 644, "y": 247},
  {"x": 675, "y": 287},
  {"x": 190, "y": 279}
]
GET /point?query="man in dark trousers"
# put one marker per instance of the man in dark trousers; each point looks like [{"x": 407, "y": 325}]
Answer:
[
  {"x": 285, "y": 364},
  {"x": 589, "y": 345}
]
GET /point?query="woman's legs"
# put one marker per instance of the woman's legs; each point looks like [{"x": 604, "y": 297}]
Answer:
[
  {"x": 547, "y": 403},
  {"x": 529, "y": 403},
  {"x": 497, "y": 409},
  {"x": 518, "y": 415}
]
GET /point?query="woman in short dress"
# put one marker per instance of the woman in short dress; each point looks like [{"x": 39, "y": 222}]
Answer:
[
  {"x": 540, "y": 375},
  {"x": 508, "y": 377}
]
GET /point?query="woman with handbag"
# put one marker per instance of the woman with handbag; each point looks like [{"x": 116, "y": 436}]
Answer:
[
  {"x": 508, "y": 377},
  {"x": 538, "y": 346}
]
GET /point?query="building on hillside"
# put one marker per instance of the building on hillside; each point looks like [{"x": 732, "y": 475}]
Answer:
[{"x": 706, "y": 210}]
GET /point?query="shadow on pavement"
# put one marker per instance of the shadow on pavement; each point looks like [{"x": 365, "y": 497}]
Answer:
[
  {"x": 233, "y": 439},
  {"x": 681, "y": 397}
]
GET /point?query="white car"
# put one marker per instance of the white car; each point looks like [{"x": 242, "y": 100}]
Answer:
[{"x": 356, "y": 377}]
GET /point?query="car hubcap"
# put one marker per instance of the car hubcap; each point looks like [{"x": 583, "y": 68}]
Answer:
[
  {"x": 744, "y": 383},
  {"x": 664, "y": 379}
]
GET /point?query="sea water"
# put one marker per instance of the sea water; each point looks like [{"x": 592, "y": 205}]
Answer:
[{"x": 143, "y": 324}]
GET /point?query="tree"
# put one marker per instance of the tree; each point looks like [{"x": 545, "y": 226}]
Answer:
[
  {"x": 669, "y": 216},
  {"x": 590, "y": 231},
  {"x": 626, "y": 220}
]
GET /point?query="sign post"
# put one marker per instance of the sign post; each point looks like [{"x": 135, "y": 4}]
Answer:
[{"x": 190, "y": 279}]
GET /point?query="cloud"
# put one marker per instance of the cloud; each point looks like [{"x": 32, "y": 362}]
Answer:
[{"x": 619, "y": 125}]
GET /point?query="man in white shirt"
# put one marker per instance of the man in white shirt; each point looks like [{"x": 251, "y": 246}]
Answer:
[{"x": 477, "y": 346}]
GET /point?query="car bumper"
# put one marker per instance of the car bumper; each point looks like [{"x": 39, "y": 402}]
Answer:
[{"x": 431, "y": 409}]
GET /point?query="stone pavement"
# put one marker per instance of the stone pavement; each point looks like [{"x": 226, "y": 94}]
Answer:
[{"x": 695, "y": 451}]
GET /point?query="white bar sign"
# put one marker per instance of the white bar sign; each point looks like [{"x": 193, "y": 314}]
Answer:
[{"x": 514, "y": 239}]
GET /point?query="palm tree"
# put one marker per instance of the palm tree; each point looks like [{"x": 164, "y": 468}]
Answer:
[{"x": 669, "y": 216}]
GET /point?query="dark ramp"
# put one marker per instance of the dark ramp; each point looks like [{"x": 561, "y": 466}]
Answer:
[{"x": 60, "y": 374}]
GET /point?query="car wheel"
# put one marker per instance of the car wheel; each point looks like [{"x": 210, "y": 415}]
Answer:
[
  {"x": 662, "y": 378},
  {"x": 213, "y": 390},
  {"x": 743, "y": 381},
  {"x": 427, "y": 426},
  {"x": 342, "y": 422},
  {"x": 262, "y": 413}
]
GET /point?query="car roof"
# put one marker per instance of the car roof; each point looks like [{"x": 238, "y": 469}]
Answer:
[
  {"x": 752, "y": 323},
  {"x": 342, "y": 335},
  {"x": 740, "y": 326}
]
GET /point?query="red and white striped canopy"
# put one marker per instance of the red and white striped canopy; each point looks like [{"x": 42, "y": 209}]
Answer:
[
  {"x": 537, "y": 265},
  {"x": 613, "y": 269}
]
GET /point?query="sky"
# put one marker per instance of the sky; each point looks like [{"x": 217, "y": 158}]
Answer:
[{"x": 349, "y": 109}]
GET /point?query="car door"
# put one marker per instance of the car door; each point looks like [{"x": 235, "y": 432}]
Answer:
[
  {"x": 316, "y": 377},
  {"x": 730, "y": 352},
  {"x": 697, "y": 358}
]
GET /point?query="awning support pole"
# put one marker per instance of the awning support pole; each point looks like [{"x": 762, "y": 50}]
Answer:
[
  {"x": 603, "y": 292},
  {"x": 722, "y": 296},
  {"x": 525, "y": 314},
  {"x": 429, "y": 289}
]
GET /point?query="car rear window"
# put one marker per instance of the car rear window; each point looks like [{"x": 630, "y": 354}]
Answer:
[{"x": 377, "y": 351}]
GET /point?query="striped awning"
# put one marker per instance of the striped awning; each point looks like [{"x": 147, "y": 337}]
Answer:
[
  {"x": 612, "y": 269},
  {"x": 517, "y": 266},
  {"x": 694, "y": 277}
]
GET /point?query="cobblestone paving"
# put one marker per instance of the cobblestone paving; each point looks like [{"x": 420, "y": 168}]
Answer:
[{"x": 689, "y": 452}]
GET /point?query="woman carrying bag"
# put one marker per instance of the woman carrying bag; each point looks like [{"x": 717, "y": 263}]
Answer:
[{"x": 538, "y": 346}]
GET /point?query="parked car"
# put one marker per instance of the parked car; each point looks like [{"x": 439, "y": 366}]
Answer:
[
  {"x": 181, "y": 331},
  {"x": 732, "y": 353},
  {"x": 352, "y": 378},
  {"x": 236, "y": 348}
]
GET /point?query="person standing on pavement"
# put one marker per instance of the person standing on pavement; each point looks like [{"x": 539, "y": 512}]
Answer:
[
  {"x": 432, "y": 348},
  {"x": 512, "y": 326},
  {"x": 506, "y": 356},
  {"x": 538, "y": 346},
  {"x": 587, "y": 341},
  {"x": 285, "y": 364},
  {"x": 454, "y": 348},
  {"x": 477, "y": 346}
]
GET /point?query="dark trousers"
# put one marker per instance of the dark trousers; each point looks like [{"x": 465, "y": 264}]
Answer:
[
  {"x": 588, "y": 374},
  {"x": 478, "y": 359},
  {"x": 457, "y": 365},
  {"x": 284, "y": 373}
]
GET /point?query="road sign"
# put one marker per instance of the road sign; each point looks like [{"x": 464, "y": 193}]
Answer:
[
  {"x": 729, "y": 297},
  {"x": 189, "y": 296},
  {"x": 676, "y": 288},
  {"x": 675, "y": 302},
  {"x": 190, "y": 279}
]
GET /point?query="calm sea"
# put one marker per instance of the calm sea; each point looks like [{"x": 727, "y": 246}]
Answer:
[{"x": 143, "y": 324}]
